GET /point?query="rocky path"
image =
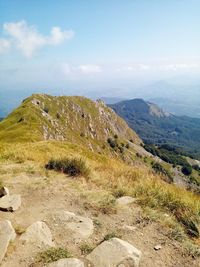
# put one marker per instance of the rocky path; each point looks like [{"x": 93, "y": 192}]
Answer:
[{"x": 54, "y": 213}]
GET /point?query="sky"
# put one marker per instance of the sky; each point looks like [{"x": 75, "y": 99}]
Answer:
[{"x": 96, "y": 47}]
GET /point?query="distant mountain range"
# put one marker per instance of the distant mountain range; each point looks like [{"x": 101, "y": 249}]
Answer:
[
  {"x": 156, "y": 126},
  {"x": 179, "y": 107}
]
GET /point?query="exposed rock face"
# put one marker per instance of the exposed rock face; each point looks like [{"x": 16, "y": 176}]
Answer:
[
  {"x": 126, "y": 200},
  {"x": 10, "y": 202},
  {"x": 67, "y": 263},
  {"x": 38, "y": 233},
  {"x": 7, "y": 234},
  {"x": 57, "y": 118},
  {"x": 81, "y": 227},
  {"x": 4, "y": 191},
  {"x": 115, "y": 253}
]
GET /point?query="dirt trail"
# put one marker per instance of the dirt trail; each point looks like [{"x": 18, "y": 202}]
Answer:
[{"x": 42, "y": 196}]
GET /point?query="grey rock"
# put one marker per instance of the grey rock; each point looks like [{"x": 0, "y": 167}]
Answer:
[
  {"x": 7, "y": 234},
  {"x": 39, "y": 234},
  {"x": 115, "y": 253},
  {"x": 10, "y": 202},
  {"x": 81, "y": 227},
  {"x": 66, "y": 263}
]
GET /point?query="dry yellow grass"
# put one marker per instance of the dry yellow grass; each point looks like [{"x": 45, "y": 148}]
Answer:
[{"x": 113, "y": 176}]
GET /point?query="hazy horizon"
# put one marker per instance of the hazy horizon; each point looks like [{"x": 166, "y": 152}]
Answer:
[
  {"x": 126, "y": 49},
  {"x": 97, "y": 45}
]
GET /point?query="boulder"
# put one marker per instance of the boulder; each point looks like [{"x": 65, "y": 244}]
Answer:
[
  {"x": 4, "y": 191},
  {"x": 7, "y": 234},
  {"x": 66, "y": 263},
  {"x": 10, "y": 202},
  {"x": 115, "y": 253},
  {"x": 39, "y": 234},
  {"x": 126, "y": 200},
  {"x": 81, "y": 227}
]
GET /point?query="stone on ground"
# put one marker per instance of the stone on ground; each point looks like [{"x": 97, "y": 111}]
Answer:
[
  {"x": 115, "y": 253},
  {"x": 81, "y": 227},
  {"x": 10, "y": 202},
  {"x": 157, "y": 247},
  {"x": 4, "y": 191},
  {"x": 39, "y": 234},
  {"x": 7, "y": 234},
  {"x": 126, "y": 200},
  {"x": 66, "y": 263}
]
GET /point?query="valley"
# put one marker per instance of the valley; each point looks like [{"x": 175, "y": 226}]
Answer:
[{"x": 158, "y": 127}]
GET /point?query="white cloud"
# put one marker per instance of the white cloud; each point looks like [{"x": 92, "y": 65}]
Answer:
[
  {"x": 180, "y": 66},
  {"x": 143, "y": 67},
  {"x": 89, "y": 68},
  {"x": 134, "y": 68},
  {"x": 4, "y": 45},
  {"x": 27, "y": 39},
  {"x": 58, "y": 36}
]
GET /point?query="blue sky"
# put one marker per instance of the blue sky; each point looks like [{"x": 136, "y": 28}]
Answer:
[{"x": 85, "y": 45}]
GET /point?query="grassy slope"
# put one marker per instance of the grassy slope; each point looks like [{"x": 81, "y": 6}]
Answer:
[
  {"x": 75, "y": 119},
  {"x": 113, "y": 175}
]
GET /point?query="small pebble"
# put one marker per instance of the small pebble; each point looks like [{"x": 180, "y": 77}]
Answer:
[{"x": 157, "y": 247}]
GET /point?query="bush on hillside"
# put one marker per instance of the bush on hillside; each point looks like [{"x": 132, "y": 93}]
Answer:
[
  {"x": 70, "y": 166},
  {"x": 169, "y": 155},
  {"x": 187, "y": 170},
  {"x": 53, "y": 254},
  {"x": 112, "y": 142}
]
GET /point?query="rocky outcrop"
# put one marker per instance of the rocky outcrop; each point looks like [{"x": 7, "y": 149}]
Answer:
[
  {"x": 7, "y": 234},
  {"x": 38, "y": 233},
  {"x": 115, "y": 253},
  {"x": 10, "y": 202},
  {"x": 81, "y": 227},
  {"x": 66, "y": 263}
]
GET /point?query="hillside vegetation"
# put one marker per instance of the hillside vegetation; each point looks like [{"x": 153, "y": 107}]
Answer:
[{"x": 155, "y": 126}]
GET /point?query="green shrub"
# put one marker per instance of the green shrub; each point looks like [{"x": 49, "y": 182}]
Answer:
[
  {"x": 53, "y": 254},
  {"x": 112, "y": 143},
  {"x": 187, "y": 170},
  {"x": 70, "y": 166}
]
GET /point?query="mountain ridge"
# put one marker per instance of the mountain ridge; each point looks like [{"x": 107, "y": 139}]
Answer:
[
  {"x": 72, "y": 119},
  {"x": 158, "y": 127}
]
